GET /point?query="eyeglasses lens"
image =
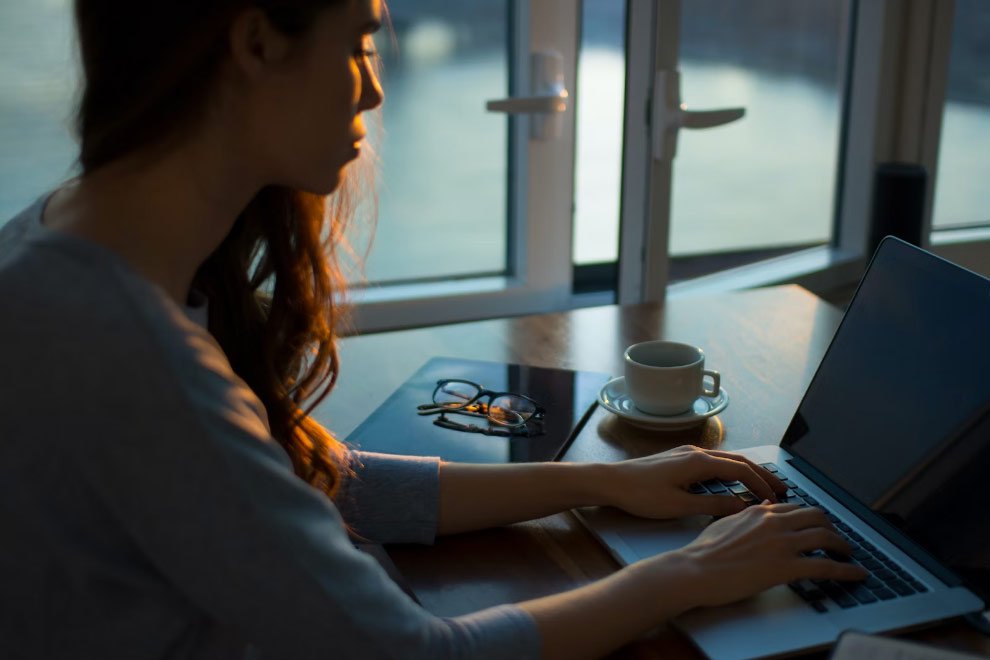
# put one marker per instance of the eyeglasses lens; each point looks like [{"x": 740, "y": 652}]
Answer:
[
  {"x": 511, "y": 410},
  {"x": 454, "y": 394}
]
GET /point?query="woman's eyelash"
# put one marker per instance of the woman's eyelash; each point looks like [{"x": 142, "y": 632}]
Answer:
[{"x": 365, "y": 52}]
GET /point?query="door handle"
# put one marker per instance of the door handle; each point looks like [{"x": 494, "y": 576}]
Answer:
[
  {"x": 549, "y": 96},
  {"x": 669, "y": 115}
]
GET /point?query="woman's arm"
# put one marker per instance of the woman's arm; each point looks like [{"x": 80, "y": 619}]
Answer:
[
  {"x": 479, "y": 496},
  {"x": 734, "y": 558}
]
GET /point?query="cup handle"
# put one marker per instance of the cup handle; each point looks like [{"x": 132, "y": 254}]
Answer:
[{"x": 716, "y": 382}]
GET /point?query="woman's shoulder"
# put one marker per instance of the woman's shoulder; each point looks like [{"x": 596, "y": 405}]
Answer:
[{"x": 73, "y": 307}]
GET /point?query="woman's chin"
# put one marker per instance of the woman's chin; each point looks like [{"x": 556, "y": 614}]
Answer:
[{"x": 324, "y": 186}]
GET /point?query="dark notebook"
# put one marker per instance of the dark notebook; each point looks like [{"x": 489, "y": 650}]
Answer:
[{"x": 395, "y": 428}]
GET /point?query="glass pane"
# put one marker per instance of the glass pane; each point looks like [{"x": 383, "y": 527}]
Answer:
[
  {"x": 598, "y": 170},
  {"x": 37, "y": 83},
  {"x": 962, "y": 196},
  {"x": 764, "y": 184},
  {"x": 442, "y": 181}
]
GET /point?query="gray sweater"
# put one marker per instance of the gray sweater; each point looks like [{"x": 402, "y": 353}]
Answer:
[{"x": 146, "y": 511}]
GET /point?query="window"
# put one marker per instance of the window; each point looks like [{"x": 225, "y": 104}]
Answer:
[
  {"x": 766, "y": 181},
  {"x": 598, "y": 173},
  {"x": 37, "y": 83},
  {"x": 962, "y": 196},
  {"x": 443, "y": 195}
]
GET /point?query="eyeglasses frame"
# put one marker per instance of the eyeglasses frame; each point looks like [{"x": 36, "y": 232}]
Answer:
[{"x": 427, "y": 409}]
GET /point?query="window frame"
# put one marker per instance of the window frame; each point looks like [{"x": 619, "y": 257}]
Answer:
[
  {"x": 539, "y": 273},
  {"x": 887, "y": 116}
]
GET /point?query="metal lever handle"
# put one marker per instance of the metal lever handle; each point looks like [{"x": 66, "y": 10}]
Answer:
[
  {"x": 551, "y": 103},
  {"x": 670, "y": 115},
  {"x": 708, "y": 118},
  {"x": 549, "y": 96}
]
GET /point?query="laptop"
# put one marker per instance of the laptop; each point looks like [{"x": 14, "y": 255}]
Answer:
[{"x": 892, "y": 440}]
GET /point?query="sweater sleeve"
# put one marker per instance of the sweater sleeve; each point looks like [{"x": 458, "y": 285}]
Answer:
[
  {"x": 391, "y": 499},
  {"x": 194, "y": 478}
]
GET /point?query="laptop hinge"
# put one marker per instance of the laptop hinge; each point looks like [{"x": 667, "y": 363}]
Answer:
[{"x": 877, "y": 522}]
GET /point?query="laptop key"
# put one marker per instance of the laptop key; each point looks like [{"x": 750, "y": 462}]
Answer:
[
  {"x": 769, "y": 467},
  {"x": 810, "y": 500},
  {"x": 748, "y": 498},
  {"x": 871, "y": 582},
  {"x": 738, "y": 488},
  {"x": 917, "y": 586},
  {"x": 839, "y": 595},
  {"x": 901, "y": 588},
  {"x": 860, "y": 554},
  {"x": 858, "y": 538},
  {"x": 885, "y": 574},
  {"x": 862, "y": 594},
  {"x": 871, "y": 564},
  {"x": 714, "y": 486},
  {"x": 807, "y": 590},
  {"x": 697, "y": 489},
  {"x": 883, "y": 593}
]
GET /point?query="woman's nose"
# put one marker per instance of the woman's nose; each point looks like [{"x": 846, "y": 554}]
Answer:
[{"x": 371, "y": 90}]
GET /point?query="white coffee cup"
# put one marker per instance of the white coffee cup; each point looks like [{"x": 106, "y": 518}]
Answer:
[{"x": 666, "y": 377}]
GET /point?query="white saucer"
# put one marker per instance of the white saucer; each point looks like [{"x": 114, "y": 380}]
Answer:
[{"x": 614, "y": 399}]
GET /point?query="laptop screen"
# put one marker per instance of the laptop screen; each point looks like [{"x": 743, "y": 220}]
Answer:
[{"x": 898, "y": 413}]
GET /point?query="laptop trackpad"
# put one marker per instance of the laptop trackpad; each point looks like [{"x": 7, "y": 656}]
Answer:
[{"x": 633, "y": 538}]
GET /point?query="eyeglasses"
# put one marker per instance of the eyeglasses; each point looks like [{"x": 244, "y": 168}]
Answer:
[{"x": 505, "y": 409}]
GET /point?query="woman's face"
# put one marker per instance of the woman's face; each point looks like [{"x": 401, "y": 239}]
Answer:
[{"x": 312, "y": 103}]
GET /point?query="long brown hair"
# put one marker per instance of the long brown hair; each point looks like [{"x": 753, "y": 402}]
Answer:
[{"x": 274, "y": 282}]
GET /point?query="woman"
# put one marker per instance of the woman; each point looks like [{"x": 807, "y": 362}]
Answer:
[{"x": 169, "y": 318}]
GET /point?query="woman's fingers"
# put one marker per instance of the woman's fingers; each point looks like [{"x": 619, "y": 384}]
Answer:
[
  {"x": 727, "y": 469},
  {"x": 803, "y": 517},
  {"x": 768, "y": 476},
  {"x": 819, "y": 538}
]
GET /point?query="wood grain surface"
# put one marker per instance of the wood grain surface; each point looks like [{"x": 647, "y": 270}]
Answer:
[{"x": 766, "y": 343}]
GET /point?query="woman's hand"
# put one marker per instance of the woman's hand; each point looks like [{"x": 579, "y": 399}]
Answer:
[
  {"x": 656, "y": 486},
  {"x": 744, "y": 554}
]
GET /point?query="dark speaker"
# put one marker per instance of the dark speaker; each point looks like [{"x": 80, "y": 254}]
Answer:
[{"x": 898, "y": 202}]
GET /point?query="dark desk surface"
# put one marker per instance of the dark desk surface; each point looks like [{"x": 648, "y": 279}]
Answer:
[{"x": 767, "y": 344}]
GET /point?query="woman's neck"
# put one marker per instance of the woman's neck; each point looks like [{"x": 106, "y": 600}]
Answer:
[{"x": 163, "y": 212}]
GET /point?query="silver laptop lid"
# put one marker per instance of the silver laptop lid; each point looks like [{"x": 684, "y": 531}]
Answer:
[{"x": 898, "y": 413}]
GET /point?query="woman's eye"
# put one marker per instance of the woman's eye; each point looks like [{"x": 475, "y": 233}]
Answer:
[{"x": 365, "y": 50}]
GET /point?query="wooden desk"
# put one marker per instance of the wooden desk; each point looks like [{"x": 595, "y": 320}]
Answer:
[{"x": 767, "y": 344}]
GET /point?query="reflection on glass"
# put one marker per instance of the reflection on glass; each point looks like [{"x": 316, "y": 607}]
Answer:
[
  {"x": 37, "y": 83},
  {"x": 962, "y": 196},
  {"x": 768, "y": 179},
  {"x": 442, "y": 184},
  {"x": 598, "y": 167},
  {"x": 396, "y": 428}
]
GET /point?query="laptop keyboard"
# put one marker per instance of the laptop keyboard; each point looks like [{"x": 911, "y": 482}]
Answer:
[{"x": 887, "y": 580}]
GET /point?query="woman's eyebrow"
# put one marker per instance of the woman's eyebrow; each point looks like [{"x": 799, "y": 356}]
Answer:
[{"x": 370, "y": 27}]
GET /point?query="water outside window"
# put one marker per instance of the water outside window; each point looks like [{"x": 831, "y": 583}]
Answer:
[
  {"x": 962, "y": 194},
  {"x": 766, "y": 181},
  {"x": 37, "y": 82},
  {"x": 598, "y": 168},
  {"x": 443, "y": 178}
]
